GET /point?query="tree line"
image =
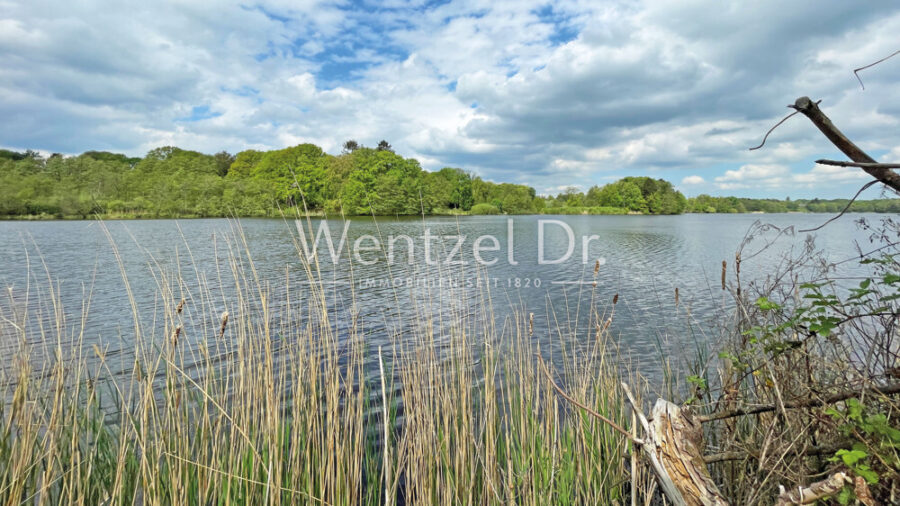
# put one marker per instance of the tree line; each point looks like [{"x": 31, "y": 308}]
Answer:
[{"x": 170, "y": 182}]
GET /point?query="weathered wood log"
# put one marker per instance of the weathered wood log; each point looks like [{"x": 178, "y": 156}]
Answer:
[
  {"x": 677, "y": 439},
  {"x": 668, "y": 486},
  {"x": 674, "y": 447},
  {"x": 812, "y": 493}
]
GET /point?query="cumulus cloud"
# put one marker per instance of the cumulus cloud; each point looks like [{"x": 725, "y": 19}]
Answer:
[{"x": 514, "y": 91}]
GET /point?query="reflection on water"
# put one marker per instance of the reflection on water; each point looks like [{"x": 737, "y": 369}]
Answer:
[{"x": 205, "y": 261}]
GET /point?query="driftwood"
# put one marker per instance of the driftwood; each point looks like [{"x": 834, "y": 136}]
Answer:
[
  {"x": 677, "y": 439},
  {"x": 812, "y": 493}
]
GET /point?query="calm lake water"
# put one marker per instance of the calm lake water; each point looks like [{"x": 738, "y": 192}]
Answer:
[{"x": 643, "y": 259}]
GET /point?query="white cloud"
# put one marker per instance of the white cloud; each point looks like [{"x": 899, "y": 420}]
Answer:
[
  {"x": 510, "y": 89},
  {"x": 693, "y": 180},
  {"x": 779, "y": 177}
]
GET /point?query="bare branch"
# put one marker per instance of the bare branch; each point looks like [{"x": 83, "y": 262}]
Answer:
[
  {"x": 590, "y": 411},
  {"x": 761, "y": 144},
  {"x": 801, "y": 403},
  {"x": 844, "y": 210},
  {"x": 811, "y": 110},
  {"x": 739, "y": 455},
  {"x": 856, "y": 71},
  {"x": 862, "y": 165}
]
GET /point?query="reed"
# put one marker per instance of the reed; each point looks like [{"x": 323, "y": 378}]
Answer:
[{"x": 283, "y": 399}]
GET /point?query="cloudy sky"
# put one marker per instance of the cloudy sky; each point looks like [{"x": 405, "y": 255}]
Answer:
[{"x": 547, "y": 94}]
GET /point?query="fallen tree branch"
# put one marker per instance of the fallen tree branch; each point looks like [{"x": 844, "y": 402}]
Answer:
[
  {"x": 812, "y": 493},
  {"x": 802, "y": 403},
  {"x": 811, "y": 110}
]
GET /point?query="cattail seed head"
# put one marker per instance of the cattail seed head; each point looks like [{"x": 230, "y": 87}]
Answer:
[
  {"x": 615, "y": 299},
  {"x": 224, "y": 323},
  {"x": 180, "y": 307},
  {"x": 530, "y": 324},
  {"x": 175, "y": 335},
  {"x": 676, "y": 296},
  {"x": 724, "y": 268}
]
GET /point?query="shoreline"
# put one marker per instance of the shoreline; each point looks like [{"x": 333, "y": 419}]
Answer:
[{"x": 40, "y": 218}]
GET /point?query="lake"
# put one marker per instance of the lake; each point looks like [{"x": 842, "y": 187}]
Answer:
[{"x": 389, "y": 274}]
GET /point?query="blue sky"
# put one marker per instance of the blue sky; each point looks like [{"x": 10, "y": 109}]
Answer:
[{"x": 557, "y": 94}]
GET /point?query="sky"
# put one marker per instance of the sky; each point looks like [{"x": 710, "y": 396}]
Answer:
[{"x": 559, "y": 94}]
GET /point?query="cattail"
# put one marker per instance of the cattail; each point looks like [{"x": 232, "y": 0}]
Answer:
[
  {"x": 615, "y": 299},
  {"x": 530, "y": 324},
  {"x": 607, "y": 322},
  {"x": 596, "y": 267},
  {"x": 224, "y": 323},
  {"x": 175, "y": 335},
  {"x": 676, "y": 296},
  {"x": 180, "y": 307},
  {"x": 724, "y": 267}
]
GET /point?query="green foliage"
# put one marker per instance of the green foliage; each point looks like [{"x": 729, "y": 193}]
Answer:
[
  {"x": 171, "y": 182},
  {"x": 708, "y": 204},
  {"x": 484, "y": 209},
  {"x": 876, "y": 439},
  {"x": 596, "y": 210},
  {"x": 296, "y": 174},
  {"x": 631, "y": 194}
]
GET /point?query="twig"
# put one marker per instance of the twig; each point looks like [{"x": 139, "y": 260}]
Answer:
[
  {"x": 856, "y": 71},
  {"x": 844, "y": 210},
  {"x": 863, "y": 165},
  {"x": 590, "y": 411},
  {"x": 741, "y": 455},
  {"x": 761, "y": 144},
  {"x": 803, "y": 403},
  {"x": 242, "y": 478}
]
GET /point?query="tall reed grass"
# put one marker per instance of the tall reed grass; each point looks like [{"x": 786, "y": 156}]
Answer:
[{"x": 272, "y": 395}]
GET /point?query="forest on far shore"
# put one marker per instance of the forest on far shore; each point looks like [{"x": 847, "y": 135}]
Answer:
[{"x": 170, "y": 182}]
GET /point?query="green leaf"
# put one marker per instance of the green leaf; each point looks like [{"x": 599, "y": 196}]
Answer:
[
  {"x": 766, "y": 305},
  {"x": 851, "y": 457},
  {"x": 891, "y": 278}
]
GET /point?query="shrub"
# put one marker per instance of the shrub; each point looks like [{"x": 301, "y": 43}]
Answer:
[{"x": 484, "y": 209}]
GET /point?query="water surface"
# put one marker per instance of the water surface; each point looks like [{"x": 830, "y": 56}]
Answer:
[{"x": 643, "y": 259}]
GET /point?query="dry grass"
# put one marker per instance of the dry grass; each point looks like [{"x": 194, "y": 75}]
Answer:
[{"x": 283, "y": 399}]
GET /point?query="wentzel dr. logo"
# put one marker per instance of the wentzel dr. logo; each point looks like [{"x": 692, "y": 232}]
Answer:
[{"x": 437, "y": 249}]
